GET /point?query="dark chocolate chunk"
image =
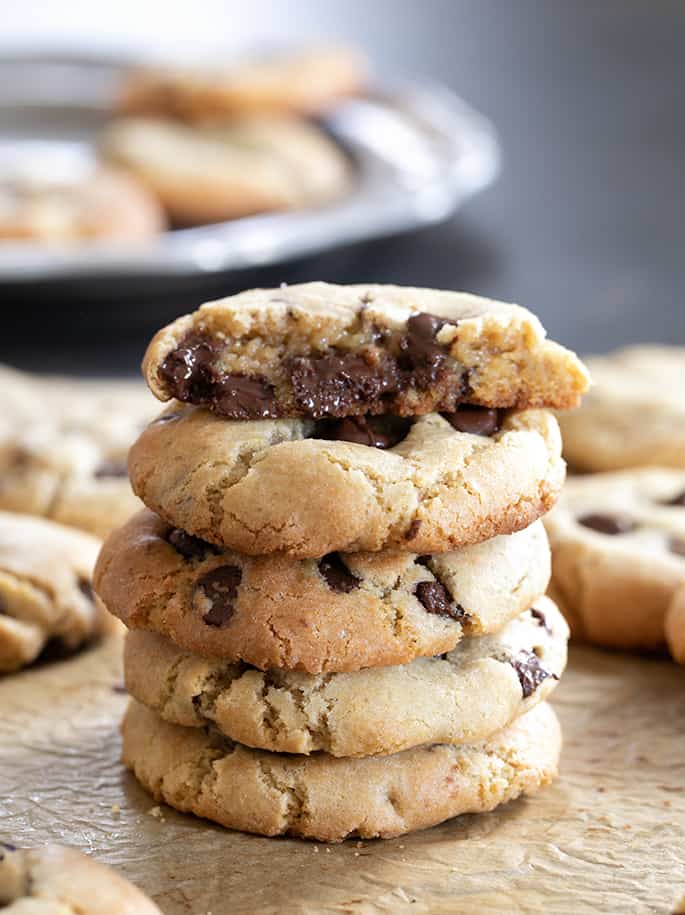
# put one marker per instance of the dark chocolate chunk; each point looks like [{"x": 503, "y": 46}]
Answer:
[
  {"x": 530, "y": 672},
  {"x": 331, "y": 385},
  {"x": 219, "y": 588},
  {"x": 338, "y": 577},
  {"x": 677, "y": 545},
  {"x": 243, "y": 397},
  {"x": 608, "y": 524},
  {"x": 413, "y": 529},
  {"x": 86, "y": 589},
  {"x": 111, "y": 469},
  {"x": 541, "y": 618},
  {"x": 435, "y": 598},
  {"x": 420, "y": 355},
  {"x": 678, "y": 499},
  {"x": 188, "y": 546},
  {"x": 374, "y": 431},
  {"x": 474, "y": 420},
  {"x": 188, "y": 371}
]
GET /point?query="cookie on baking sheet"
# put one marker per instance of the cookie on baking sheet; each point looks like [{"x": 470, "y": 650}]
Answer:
[
  {"x": 63, "y": 447},
  {"x": 464, "y": 696},
  {"x": 328, "y": 798},
  {"x": 213, "y": 173},
  {"x": 618, "y": 554},
  {"x": 53, "y": 880},
  {"x": 307, "y": 82},
  {"x": 318, "y": 350},
  {"x": 45, "y": 590},
  {"x": 341, "y": 612},
  {"x": 634, "y": 415},
  {"x": 103, "y": 205},
  {"x": 278, "y": 485}
]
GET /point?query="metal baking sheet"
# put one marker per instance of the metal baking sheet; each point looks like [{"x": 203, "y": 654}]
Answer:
[
  {"x": 419, "y": 151},
  {"x": 607, "y": 837}
]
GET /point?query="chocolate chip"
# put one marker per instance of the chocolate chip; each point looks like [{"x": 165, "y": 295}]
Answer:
[
  {"x": 188, "y": 546},
  {"x": 219, "y": 589},
  {"x": 530, "y": 672},
  {"x": 243, "y": 397},
  {"x": 86, "y": 589},
  {"x": 188, "y": 370},
  {"x": 608, "y": 524},
  {"x": 474, "y": 420},
  {"x": 332, "y": 385},
  {"x": 111, "y": 469},
  {"x": 435, "y": 598},
  {"x": 413, "y": 529},
  {"x": 541, "y": 618},
  {"x": 678, "y": 499},
  {"x": 421, "y": 356},
  {"x": 338, "y": 577},
  {"x": 374, "y": 431},
  {"x": 677, "y": 545}
]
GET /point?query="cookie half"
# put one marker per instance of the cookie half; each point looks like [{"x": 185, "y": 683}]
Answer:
[
  {"x": 308, "y": 82},
  {"x": 465, "y": 696},
  {"x": 326, "y": 798},
  {"x": 274, "y": 486},
  {"x": 634, "y": 415},
  {"x": 320, "y": 350},
  {"x": 618, "y": 554},
  {"x": 52, "y": 880},
  {"x": 341, "y": 612},
  {"x": 45, "y": 589},
  {"x": 213, "y": 173}
]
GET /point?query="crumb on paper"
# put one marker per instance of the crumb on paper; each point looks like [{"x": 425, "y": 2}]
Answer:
[
  {"x": 316, "y": 849},
  {"x": 157, "y": 813},
  {"x": 328, "y": 851},
  {"x": 116, "y": 810}
]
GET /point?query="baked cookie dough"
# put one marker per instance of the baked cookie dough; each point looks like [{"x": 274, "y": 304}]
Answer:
[
  {"x": 103, "y": 205},
  {"x": 327, "y": 798},
  {"x": 213, "y": 173},
  {"x": 318, "y": 350},
  {"x": 618, "y": 554},
  {"x": 341, "y": 612},
  {"x": 634, "y": 415},
  {"x": 308, "y": 82},
  {"x": 52, "y": 880},
  {"x": 45, "y": 590},
  {"x": 465, "y": 696}
]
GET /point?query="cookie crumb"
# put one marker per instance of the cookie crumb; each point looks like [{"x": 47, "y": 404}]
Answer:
[
  {"x": 316, "y": 849},
  {"x": 356, "y": 854},
  {"x": 157, "y": 813},
  {"x": 328, "y": 851},
  {"x": 116, "y": 810}
]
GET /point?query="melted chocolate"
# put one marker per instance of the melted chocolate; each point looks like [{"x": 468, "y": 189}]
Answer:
[
  {"x": 435, "y": 598},
  {"x": 530, "y": 672},
  {"x": 220, "y": 589},
  {"x": 336, "y": 574},
  {"x": 374, "y": 431},
  {"x": 188, "y": 546},
  {"x": 474, "y": 420},
  {"x": 608, "y": 524},
  {"x": 332, "y": 385}
]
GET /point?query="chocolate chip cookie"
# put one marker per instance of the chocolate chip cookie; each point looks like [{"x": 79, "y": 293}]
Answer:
[
  {"x": 213, "y": 173},
  {"x": 464, "y": 696},
  {"x": 306, "y": 82},
  {"x": 45, "y": 589},
  {"x": 634, "y": 413},
  {"x": 618, "y": 554},
  {"x": 52, "y": 880},
  {"x": 327, "y": 798},
  {"x": 340, "y": 612},
  {"x": 319, "y": 350},
  {"x": 293, "y": 486}
]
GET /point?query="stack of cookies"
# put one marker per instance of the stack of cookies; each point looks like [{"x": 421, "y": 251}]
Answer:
[{"x": 335, "y": 595}]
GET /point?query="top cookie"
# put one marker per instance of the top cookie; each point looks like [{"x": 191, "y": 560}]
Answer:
[
  {"x": 309, "y": 83},
  {"x": 634, "y": 415},
  {"x": 317, "y": 350}
]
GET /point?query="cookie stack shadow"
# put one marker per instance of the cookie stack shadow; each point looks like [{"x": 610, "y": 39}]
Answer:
[{"x": 337, "y": 622}]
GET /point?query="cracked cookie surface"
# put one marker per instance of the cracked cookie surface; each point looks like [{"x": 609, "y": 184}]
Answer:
[
  {"x": 54, "y": 880},
  {"x": 318, "y": 350},
  {"x": 267, "y": 486},
  {"x": 45, "y": 590},
  {"x": 340, "y": 612},
  {"x": 327, "y": 798},
  {"x": 618, "y": 554},
  {"x": 462, "y": 697}
]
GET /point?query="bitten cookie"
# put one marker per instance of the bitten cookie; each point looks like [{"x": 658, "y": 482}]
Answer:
[
  {"x": 341, "y": 612},
  {"x": 618, "y": 554},
  {"x": 277, "y": 486},
  {"x": 63, "y": 447},
  {"x": 104, "y": 205},
  {"x": 327, "y": 798},
  {"x": 462, "y": 697},
  {"x": 214, "y": 173},
  {"x": 634, "y": 415},
  {"x": 45, "y": 590},
  {"x": 308, "y": 82},
  {"x": 318, "y": 350},
  {"x": 52, "y": 880}
]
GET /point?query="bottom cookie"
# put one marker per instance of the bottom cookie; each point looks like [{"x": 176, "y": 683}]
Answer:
[{"x": 329, "y": 799}]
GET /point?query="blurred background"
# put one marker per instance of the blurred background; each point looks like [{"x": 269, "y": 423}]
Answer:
[{"x": 584, "y": 223}]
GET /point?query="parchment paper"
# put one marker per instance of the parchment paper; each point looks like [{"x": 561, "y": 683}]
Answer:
[{"x": 609, "y": 836}]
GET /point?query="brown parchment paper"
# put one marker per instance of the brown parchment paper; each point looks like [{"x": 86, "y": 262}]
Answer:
[{"x": 609, "y": 836}]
